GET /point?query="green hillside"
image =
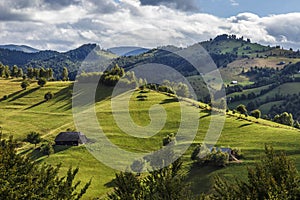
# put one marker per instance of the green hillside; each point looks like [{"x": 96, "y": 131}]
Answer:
[{"x": 24, "y": 111}]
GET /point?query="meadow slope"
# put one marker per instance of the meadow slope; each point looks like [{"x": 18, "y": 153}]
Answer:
[{"x": 25, "y": 110}]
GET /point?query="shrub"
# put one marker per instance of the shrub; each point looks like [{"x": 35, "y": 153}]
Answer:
[
  {"x": 47, "y": 149},
  {"x": 256, "y": 113},
  {"x": 48, "y": 96},
  {"x": 214, "y": 158},
  {"x": 42, "y": 82},
  {"x": 170, "y": 139},
  {"x": 25, "y": 84},
  {"x": 5, "y": 97}
]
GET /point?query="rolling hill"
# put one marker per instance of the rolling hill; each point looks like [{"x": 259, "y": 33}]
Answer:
[
  {"x": 25, "y": 110},
  {"x": 23, "y": 48}
]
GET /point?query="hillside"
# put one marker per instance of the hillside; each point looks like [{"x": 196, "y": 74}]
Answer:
[
  {"x": 25, "y": 111},
  {"x": 90, "y": 53}
]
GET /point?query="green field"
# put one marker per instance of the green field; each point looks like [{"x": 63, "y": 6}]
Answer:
[
  {"x": 25, "y": 111},
  {"x": 284, "y": 89}
]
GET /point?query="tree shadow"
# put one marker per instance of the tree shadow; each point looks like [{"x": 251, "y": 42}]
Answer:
[
  {"x": 11, "y": 95},
  {"x": 37, "y": 104},
  {"x": 166, "y": 101},
  {"x": 111, "y": 183},
  {"x": 27, "y": 92},
  {"x": 243, "y": 125}
]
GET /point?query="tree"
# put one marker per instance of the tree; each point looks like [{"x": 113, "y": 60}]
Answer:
[
  {"x": 6, "y": 72},
  {"x": 165, "y": 183},
  {"x": 256, "y": 113},
  {"x": 30, "y": 73},
  {"x": 42, "y": 82},
  {"x": 241, "y": 109},
  {"x": 33, "y": 138},
  {"x": 48, "y": 96},
  {"x": 20, "y": 73},
  {"x": 14, "y": 71},
  {"x": 275, "y": 177},
  {"x": 25, "y": 84},
  {"x": 65, "y": 74},
  {"x": 47, "y": 149},
  {"x": 22, "y": 178}
]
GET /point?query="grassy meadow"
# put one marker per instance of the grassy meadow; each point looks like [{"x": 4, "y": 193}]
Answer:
[{"x": 25, "y": 111}]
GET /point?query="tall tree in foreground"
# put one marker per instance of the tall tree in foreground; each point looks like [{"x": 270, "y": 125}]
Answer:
[
  {"x": 165, "y": 183},
  {"x": 275, "y": 177},
  {"x": 21, "y": 178}
]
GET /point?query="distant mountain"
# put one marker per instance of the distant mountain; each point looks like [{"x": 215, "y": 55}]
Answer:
[
  {"x": 23, "y": 48},
  {"x": 128, "y": 51},
  {"x": 91, "y": 54}
]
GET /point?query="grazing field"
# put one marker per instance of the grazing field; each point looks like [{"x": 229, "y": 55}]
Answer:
[{"x": 25, "y": 110}]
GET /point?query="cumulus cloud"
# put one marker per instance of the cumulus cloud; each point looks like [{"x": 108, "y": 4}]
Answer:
[
  {"x": 184, "y": 5},
  {"x": 70, "y": 23}
]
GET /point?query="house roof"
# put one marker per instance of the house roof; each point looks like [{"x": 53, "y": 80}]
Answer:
[{"x": 71, "y": 137}]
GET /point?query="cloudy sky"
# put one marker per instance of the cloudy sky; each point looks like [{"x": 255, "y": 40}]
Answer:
[{"x": 65, "y": 24}]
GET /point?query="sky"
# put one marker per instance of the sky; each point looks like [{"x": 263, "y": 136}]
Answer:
[{"x": 66, "y": 24}]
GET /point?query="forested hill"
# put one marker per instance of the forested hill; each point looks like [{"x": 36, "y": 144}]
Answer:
[{"x": 55, "y": 60}]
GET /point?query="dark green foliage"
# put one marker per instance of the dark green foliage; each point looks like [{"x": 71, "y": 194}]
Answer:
[
  {"x": 169, "y": 139},
  {"x": 48, "y": 96},
  {"x": 34, "y": 138},
  {"x": 5, "y": 97},
  {"x": 214, "y": 158},
  {"x": 21, "y": 178},
  {"x": 138, "y": 165},
  {"x": 275, "y": 177},
  {"x": 166, "y": 183},
  {"x": 256, "y": 113},
  {"x": 47, "y": 149},
  {"x": 241, "y": 109},
  {"x": 42, "y": 82},
  {"x": 285, "y": 118},
  {"x": 196, "y": 152},
  {"x": 25, "y": 84}
]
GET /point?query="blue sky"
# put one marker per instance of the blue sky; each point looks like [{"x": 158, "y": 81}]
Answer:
[{"x": 226, "y": 8}]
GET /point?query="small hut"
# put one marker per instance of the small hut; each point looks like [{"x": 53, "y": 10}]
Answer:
[{"x": 70, "y": 138}]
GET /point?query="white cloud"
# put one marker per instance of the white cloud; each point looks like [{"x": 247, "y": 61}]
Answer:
[
  {"x": 129, "y": 23},
  {"x": 234, "y": 3}
]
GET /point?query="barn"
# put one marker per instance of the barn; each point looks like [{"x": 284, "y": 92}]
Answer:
[{"x": 70, "y": 138}]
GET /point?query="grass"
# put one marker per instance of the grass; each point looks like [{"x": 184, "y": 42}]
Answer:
[
  {"x": 23, "y": 113},
  {"x": 284, "y": 89}
]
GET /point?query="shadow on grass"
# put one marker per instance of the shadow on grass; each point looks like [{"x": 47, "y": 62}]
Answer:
[
  {"x": 64, "y": 94},
  {"x": 110, "y": 184},
  {"x": 27, "y": 92},
  {"x": 11, "y": 95},
  {"x": 243, "y": 125},
  {"x": 166, "y": 101},
  {"x": 37, "y": 104},
  {"x": 201, "y": 177},
  {"x": 36, "y": 154}
]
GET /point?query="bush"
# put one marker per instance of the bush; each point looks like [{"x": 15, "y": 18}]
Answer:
[
  {"x": 196, "y": 152},
  {"x": 256, "y": 113},
  {"x": 48, "y": 96},
  {"x": 47, "y": 149},
  {"x": 170, "y": 139},
  {"x": 215, "y": 158},
  {"x": 25, "y": 84},
  {"x": 42, "y": 82},
  {"x": 5, "y": 97}
]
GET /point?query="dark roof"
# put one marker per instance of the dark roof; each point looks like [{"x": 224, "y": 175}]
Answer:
[{"x": 71, "y": 137}]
